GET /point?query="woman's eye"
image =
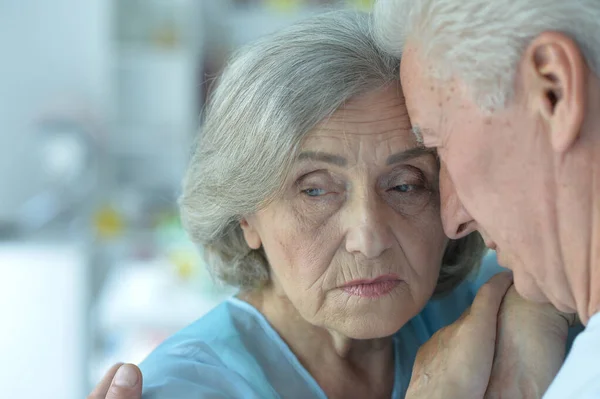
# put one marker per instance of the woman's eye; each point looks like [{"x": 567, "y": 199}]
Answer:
[
  {"x": 405, "y": 188},
  {"x": 314, "y": 192}
]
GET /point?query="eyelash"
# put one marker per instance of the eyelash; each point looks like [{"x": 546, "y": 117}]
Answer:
[
  {"x": 414, "y": 178},
  {"x": 419, "y": 186},
  {"x": 412, "y": 186},
  {"x": 404, "y": 188},
  {"x": 308, "y": 190}
]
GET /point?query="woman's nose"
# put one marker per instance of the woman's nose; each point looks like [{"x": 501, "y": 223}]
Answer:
[{"x": 368, "y": 232}]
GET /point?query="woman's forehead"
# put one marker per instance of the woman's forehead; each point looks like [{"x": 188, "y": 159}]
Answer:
[
  {"x": 387, "y": 100},
  {"x": 335, "y": 139},
  {"x": 377, "y": 112},
  {"x": 360, "y": 127},
  {"x": 374, "y": 148}
]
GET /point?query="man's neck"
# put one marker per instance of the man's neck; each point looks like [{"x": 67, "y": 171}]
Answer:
[
  {"x": 591, "y": 140},
  {"x": 594, "y": 262},
  {"x": 577, "y": 199},
  {"x": 582, "y": 221}
]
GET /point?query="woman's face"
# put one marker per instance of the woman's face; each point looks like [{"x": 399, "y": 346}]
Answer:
[{"x": 355, "y": 242}]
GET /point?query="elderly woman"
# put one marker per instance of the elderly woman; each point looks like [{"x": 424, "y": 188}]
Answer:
[{"x": 308, "y": 191}]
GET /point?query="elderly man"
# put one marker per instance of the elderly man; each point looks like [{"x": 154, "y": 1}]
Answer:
[{"x": 508, "y": 92}]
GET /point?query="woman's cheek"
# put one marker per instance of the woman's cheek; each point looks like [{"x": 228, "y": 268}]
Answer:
[{"x": 313, "y": 212}]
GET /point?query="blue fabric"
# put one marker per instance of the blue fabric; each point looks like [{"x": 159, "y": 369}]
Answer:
[{"x": 233, "y": 352}]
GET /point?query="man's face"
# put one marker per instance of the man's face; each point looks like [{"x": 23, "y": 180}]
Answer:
[{"x": 494, "y": 176}]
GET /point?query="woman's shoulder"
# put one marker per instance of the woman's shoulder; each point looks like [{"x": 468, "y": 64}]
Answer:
[
  {"x": 218, "y": 327},
  {"x": 230, "y": 352},
  {"x": 213, "y": 354}
]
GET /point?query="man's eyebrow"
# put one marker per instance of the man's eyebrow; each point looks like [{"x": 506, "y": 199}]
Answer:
[
  {"x": 323, "y": 157},
  {"x": 411, "y": 153}
]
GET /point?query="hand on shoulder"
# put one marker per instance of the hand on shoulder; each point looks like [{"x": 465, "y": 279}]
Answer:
[{"x": 122, "y": 381}]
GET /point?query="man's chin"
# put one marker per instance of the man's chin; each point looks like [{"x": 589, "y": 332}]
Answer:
[{"x": 528, "y": 289}]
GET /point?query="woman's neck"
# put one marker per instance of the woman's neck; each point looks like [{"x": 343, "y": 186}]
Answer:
[{"x": 342, "y": 366}]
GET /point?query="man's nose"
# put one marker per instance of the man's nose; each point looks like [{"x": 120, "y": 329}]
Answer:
[
  {"x": 367, "y": 231},
  {"x": 455, "y": 218}
]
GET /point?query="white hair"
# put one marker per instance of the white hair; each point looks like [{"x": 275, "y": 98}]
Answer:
[
  {"x": 270, "y": 96},
  {"x": 482, "y": 41}
]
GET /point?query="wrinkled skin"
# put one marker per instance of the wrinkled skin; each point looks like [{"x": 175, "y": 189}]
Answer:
[{"x": 457, "y": 361}]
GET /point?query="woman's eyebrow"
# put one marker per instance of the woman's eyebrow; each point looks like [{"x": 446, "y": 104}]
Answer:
[
  {"x": 323, "y": 157},
  {"x": 411, "y": 153}
]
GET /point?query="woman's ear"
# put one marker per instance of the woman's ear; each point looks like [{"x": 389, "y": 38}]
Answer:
[{"x": 250, "y": 234}]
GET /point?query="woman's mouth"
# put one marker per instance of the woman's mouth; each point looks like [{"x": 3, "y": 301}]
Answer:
[{"x": 372, "y": 288}]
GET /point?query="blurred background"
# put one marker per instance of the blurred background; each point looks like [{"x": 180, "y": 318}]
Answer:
[{"x": 99, "y": 103}]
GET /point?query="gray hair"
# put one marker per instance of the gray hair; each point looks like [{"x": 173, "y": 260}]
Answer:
[
  {"x": 272, "y": 93},
  {"x": 481, "y": 41}
]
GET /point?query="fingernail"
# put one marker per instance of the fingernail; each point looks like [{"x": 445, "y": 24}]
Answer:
[{"x": 126, "y": 376}]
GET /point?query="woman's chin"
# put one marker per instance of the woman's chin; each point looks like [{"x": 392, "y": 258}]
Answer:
[
  {"x": 371, "y": 318},
  {"x": 372, "y": 326}
]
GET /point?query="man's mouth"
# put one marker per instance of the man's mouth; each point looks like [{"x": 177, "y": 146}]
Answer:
[{"x": 490, "y": 244}]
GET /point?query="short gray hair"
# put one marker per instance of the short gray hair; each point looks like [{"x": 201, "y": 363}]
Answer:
[
  {"x": 481, "y": 41},
  {"x": 271, "y": 94}
]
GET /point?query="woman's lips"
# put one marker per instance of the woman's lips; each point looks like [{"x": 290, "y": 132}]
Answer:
[{"x": 372, "y": 288}]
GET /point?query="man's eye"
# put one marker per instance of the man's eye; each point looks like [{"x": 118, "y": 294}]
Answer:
[{"x": 314, "y": 192}]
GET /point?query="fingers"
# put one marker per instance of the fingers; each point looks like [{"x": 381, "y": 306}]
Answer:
[
  {"x": 126, "y": 384},
  {"x": 489, "y": 298},
  {"x": 102, "y": 388}
]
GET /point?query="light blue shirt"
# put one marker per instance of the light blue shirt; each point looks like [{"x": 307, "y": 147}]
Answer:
[{"x": 233, "y": 352}]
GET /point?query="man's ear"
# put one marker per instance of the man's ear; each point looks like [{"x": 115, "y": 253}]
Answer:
[
  {"x": 554, "y": 73},
  {"x": 250, "y": 234}
]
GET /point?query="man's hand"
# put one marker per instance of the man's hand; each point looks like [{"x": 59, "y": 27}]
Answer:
[
  {"x": 122, "y": 381},
  {"x": 457, "y": 361},
  {"x": 530, "y": 348}
]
